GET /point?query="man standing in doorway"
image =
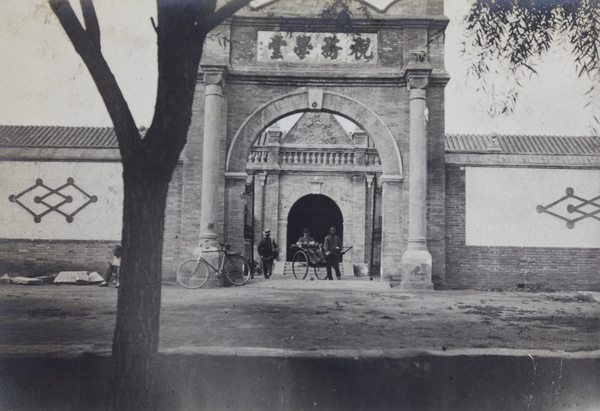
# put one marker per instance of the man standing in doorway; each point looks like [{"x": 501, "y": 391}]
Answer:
[
  {"x": 333, "y": 251},
  {"x": 268, "y": 251}
]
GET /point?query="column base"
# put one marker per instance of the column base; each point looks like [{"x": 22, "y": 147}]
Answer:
[
  {"x": 416, "y": 271},
  {"x": 210, "y": 242},
  {"x": 207, "y": 240},
  {"x": 213, "y": 282}
]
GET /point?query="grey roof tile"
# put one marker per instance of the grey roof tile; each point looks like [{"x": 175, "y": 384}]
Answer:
[
  {"x": 511, "y": 144},
  {"x": 57, "y": 136}
]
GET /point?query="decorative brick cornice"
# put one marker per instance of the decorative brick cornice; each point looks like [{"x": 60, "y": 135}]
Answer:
[
  {"x": 316, "y": 23},
  {"x": 59, "y": 154}
]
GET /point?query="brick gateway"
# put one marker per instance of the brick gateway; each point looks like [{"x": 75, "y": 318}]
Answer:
[{"x": 422, "y": 209}]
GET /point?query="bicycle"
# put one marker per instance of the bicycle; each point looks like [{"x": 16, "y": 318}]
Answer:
[
  {"x": 194, "y": 273},
  {"x": 306, "y": 257}
]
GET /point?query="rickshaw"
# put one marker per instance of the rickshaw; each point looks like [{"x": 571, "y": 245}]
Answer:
[{"x": 310, "y": 255}]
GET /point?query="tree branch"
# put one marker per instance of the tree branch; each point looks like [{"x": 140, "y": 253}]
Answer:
[
  {"x": 91, "y": 21},
  {"x": 87, "y": 45},
  {"x": 154, "y": 25},
  {"x": 225, "y": 12}
]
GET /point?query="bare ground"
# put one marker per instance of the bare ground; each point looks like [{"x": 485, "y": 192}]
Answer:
[{"x": 286, "y": 314}]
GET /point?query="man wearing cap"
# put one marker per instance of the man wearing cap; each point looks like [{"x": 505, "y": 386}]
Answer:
[
  {"x": 333, "y": 252},
  {"x": 268, "y": 251}
]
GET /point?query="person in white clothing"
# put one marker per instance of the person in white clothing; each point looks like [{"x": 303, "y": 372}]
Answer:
[{"x": 113, "y": 268}]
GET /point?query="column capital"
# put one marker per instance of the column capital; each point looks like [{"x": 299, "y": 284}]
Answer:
[
  {"x": 416, "y": 74},
  {"x": 231, "y": 175},
  {"x": 262, "y": 178},
  {"x": 390, "y": 178},
  {"x": 214, "y": 75}
]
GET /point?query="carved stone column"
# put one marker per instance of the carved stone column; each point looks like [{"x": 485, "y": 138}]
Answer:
[
  {"x": 235, "y": 202},
  {"x": 271, "y": 209},
  {"x": 259, "y": 204},
  {"x": 213, "y": 134},
  {"x": 359, "y": 207},
  {"x": 391, "y": 230},
  {"x": 416, "y": 261}
]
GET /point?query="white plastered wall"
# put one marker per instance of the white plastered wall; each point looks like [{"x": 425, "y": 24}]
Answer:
[
  {"x": 502, "y": 207},
  {"x": 98, "y": 220}
]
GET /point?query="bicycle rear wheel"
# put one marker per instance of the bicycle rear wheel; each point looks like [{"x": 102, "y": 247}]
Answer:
[
  {"x": 237, "y": 269},
  {"x": 192, "y": 274},
  {"x": 300, "y": 265}
]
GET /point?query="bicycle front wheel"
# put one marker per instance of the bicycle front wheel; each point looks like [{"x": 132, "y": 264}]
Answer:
[
  {"x": 300, "y": 265},
  {"x": 237, "y": 269},
  {"x": 192, "y": 274}
]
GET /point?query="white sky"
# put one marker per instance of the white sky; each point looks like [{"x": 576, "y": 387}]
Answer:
[{"x": 44, "y": 82}]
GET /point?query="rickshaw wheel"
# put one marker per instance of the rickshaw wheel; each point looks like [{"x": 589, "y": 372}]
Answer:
[
  {"x": 320, "y": 272},
  {"x": 300, "y": 265}
]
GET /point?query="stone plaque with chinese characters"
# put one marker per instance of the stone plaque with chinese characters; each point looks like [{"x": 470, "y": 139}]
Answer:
[{"x": 321, "y": 48}]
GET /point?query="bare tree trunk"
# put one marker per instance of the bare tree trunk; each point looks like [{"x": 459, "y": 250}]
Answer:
[
  {"x": 146, "y": 177},
  {"x": 148, "y": 166},
  {"x": 135, "y": 342}
]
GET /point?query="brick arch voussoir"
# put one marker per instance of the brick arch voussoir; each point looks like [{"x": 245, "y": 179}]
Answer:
[
  {"x": 373, "y": 125},
  {"x": 332, "y": 102},
  {"x": 258, "y": 121}
]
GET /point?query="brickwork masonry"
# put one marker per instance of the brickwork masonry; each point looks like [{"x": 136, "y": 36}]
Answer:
[
  {"x": 509, "y": 268},
  {"x": 43, "y": 257}
]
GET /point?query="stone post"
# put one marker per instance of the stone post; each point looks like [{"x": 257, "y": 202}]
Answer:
[
  {"x": 416, "y": 261},
  {"x": 360, "y": 144},
  {"x": 211, "y": 154},
  {"x": 273, "y": 143}
]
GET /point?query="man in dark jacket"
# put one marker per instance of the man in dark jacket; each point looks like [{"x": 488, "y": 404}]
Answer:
[
  {"x": 268, "y": 250},
  {"x": 333, "y": 251}
]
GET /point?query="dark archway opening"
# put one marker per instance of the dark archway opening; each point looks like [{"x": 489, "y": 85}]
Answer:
[{"x": 318, "y": 213}]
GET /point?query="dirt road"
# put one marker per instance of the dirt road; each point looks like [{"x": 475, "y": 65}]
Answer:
[{"x": 289, "y": 314}]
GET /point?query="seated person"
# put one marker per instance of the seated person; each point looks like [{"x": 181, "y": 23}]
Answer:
[
  {"x": 113, "y": 267},
  {"x": 312, "y": 248}
]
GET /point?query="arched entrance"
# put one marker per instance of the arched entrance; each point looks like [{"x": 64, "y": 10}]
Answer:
[
  {"x": 317, "y": 212},
  {"x": 268, "y": 181}
]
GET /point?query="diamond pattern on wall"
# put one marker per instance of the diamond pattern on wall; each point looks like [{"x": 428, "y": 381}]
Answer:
[
  {"x": 580, "y": 207},
  {"x": 39, "y": 200}
]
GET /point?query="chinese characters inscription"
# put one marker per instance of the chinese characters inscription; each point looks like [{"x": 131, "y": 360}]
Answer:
[
  {"x": 303, "y": 46},
  {"x": 317, "y": 47},
  {"x": 277, "y": 42},
  {"x": 330, "y": 49}
]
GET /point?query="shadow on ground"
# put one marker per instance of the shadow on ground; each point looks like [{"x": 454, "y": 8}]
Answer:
[{"x": 289, "y": 345}]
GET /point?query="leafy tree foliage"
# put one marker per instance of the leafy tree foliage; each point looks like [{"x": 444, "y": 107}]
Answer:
[{"x": 519, "y": 33}]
